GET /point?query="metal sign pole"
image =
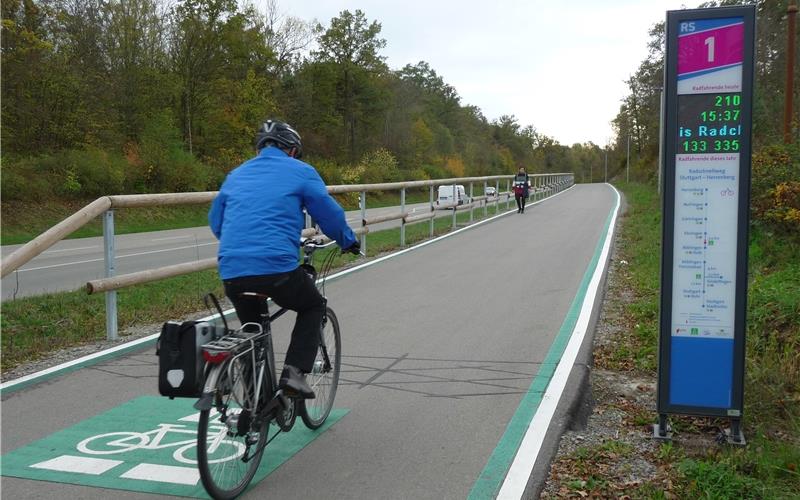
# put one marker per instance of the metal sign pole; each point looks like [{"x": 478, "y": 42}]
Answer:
[{"x": 708, "y": 95}]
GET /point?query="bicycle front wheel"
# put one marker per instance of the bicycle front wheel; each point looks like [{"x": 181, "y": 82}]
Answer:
[
  {"x": 324, "y": 377},
  {"x": 231, "y": 425}
]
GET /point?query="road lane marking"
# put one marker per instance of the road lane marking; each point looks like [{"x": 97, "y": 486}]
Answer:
[
  {"x": 164, "y": 474},
  {"x": 174, "y": 237},
  {"x": 70, "y": 249},
  {"x": 78, "y": 465},
  {"x": 91, "y": 359},
  {"x": 138, "y": 254},
  {"x": 508, "y": 469}
]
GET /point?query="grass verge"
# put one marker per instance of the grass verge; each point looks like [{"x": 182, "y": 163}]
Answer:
[
  {"x": 693, "y": 465},
  {"x": 32, "y": 327}
]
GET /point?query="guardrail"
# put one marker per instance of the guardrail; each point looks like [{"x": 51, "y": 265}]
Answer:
[{"x": 543, "y": 185}]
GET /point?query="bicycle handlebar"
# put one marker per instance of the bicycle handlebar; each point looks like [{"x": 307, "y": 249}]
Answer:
[{"x": 315, "y": 243}]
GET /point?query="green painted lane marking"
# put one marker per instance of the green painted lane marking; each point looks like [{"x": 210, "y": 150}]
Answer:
[
  {"x": 146, "y": 445},
  {"x": 491, "y": 478}
]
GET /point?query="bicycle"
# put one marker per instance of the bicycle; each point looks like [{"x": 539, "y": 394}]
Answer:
[{"x": 241, "y": 385}]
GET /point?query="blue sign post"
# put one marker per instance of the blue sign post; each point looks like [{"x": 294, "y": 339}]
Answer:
[{"x": 706, "y": 194}]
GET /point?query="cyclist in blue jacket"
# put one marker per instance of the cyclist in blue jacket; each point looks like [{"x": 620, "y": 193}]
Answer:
[{"x": 258, "y": 217}]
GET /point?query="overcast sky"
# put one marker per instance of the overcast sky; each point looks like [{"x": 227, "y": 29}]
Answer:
[{"x": 559, "y": 66}]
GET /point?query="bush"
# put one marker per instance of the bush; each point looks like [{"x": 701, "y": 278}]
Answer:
[
  {"x": 330, "y": 171},
  {"x": 74, "y": 173},
  {"x": 91, "y": 173},
  {"x": 26, "y": 179},
  {"x": 379, "y": 166},
  {"x": 776, "y": 187},
  {"x": 162, "y": 163}
]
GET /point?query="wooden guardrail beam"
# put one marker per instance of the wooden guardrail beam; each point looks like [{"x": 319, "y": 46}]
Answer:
[
  {"x": 383, "y": 218},
  {"x": 160, "y": 273},
  {"x": 416, "y": 218},
  {"x": 161, "y": 199},
  {"x": 29, "y": 250},
  {"x": 138, "y": 278}
]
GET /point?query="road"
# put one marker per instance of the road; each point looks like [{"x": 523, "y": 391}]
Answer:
[
  {"x": 441, "y": 345},
  {"x": 69, "y": 264}
]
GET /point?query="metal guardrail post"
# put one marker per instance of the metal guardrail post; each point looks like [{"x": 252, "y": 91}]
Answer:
[
  {"x": 455, "y": 204},
  {"x": 485, "y": 200},
  {"x": 432, "y": 208},
  {"x": 363, "y": 203},
  {"x": 508, "y": 194},
  {"x": 497, "y": 196},
  {"x": 471, "y": 196},
  {"x": 403, "y": 220},
  {"x": 111, "y": 296}
]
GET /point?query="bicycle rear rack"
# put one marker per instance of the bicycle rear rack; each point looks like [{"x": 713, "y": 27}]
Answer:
[{"x": 232, "y": 344}]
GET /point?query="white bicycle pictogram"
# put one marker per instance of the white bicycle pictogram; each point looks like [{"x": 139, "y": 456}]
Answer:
[{"x": 125, "y": 441}]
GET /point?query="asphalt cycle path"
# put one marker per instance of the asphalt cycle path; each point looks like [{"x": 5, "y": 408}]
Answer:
[
  {"x": 441, "y": 347},
  {"x": 69, "y": 264}
]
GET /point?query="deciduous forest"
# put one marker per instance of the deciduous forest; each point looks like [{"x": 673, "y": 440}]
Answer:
[{"x": 137, "y": 96}]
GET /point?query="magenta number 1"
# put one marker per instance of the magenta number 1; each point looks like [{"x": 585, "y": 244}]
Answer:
[{"x": 710, "y": 44}]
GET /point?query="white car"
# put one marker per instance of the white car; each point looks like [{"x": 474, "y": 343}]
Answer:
[{"x": 490, "y": 191}]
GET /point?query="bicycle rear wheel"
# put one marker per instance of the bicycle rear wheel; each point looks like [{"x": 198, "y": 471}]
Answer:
[
  {"x": 324, "y": 378},
  {"x": 230, "y": 422}
]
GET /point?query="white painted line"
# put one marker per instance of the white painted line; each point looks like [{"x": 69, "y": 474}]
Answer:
[
  {"x": 90, "y": 357},
  {"x": 70, "y": 249},
  {"x": 119, "y": 256},
  {"x": 231, "y": 311},
  {"x": 80, "y": 465},
  {"x": 183, "y": 237},
  {"x": 520, "y": 471},
  {"x": 164, "y": 474}
]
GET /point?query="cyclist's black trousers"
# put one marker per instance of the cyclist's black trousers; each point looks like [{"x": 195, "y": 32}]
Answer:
[{"x": 294, "y": 290}]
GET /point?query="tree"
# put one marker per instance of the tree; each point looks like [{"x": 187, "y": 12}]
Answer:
[
  {"x": 286, "y": 37},
  {"x": 196, "y": 54},
  {"x": 352, "y": 44}
]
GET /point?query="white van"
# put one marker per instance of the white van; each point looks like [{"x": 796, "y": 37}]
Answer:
[{"x": 446, "y": 195}]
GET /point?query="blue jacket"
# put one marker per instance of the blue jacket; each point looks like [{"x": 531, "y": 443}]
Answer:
[{"x": 257, "y": 215}]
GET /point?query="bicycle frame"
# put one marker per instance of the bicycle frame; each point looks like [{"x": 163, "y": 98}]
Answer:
[{"x": 261, "y": 342}]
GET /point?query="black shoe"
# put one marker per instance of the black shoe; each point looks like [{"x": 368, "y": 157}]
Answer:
[{"x": 294, "y": 384}]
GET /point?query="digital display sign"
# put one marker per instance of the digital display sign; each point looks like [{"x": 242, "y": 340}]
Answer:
[
  {"x": 709, "y": 123},
  {"x": 708, "y": 106}
]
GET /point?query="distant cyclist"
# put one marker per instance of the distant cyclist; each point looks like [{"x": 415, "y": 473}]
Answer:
[
  {"x": 258, "y": 217},
  {"x": 522, "y": 184}
]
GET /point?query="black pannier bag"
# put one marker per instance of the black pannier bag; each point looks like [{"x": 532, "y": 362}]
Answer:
[{"x": 180, "y": 360}]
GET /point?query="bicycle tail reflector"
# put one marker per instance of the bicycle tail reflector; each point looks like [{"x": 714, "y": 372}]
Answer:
[{"x": 216, "y": 357}]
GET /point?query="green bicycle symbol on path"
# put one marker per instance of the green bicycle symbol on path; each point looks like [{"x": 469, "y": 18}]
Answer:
[{"x": 112, "y": 443}]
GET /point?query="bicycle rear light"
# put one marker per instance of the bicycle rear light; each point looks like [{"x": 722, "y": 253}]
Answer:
[{"x": 216, "y": 357}]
